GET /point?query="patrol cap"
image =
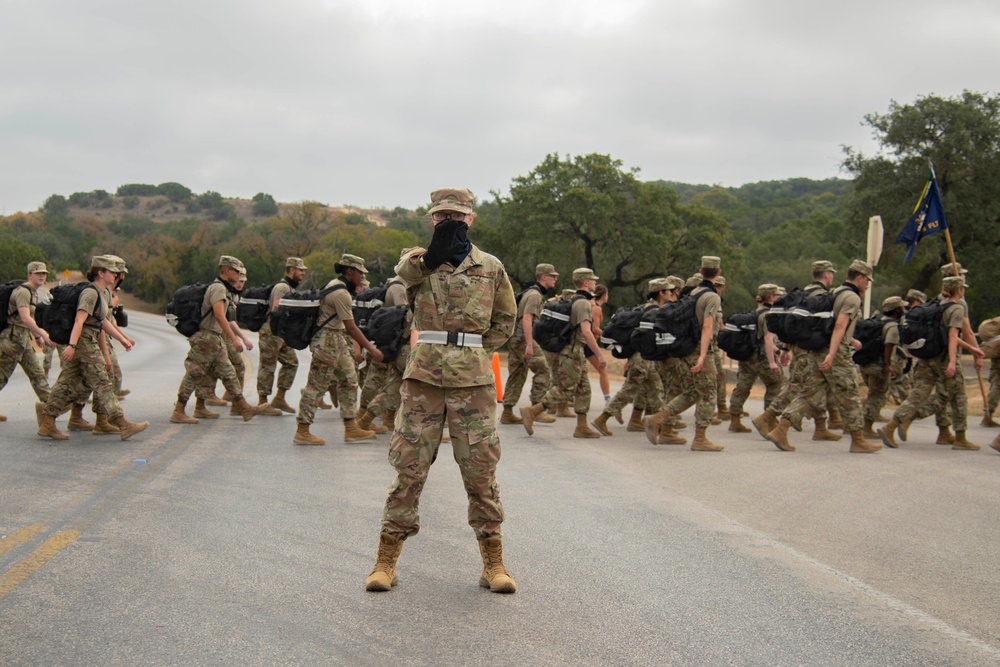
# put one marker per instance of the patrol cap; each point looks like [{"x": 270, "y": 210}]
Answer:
[
  {"x": 37, "y": 267},
  {"x": 119, "y": 261},
  {"x": 104, "y": 262},
  {"x": 545, "y": 270},
  {"x": 767, "y": 289},
  {"x": 694, "y": 280},
  {"x": 710, "y": 262},
  {"x": 862, "y": 267},
  {"x": 584, "y": 274},
  {"x": 676, "y": 282},
  {"x": 230, "y": 261},
  {"x": 659, "y": 284},
  {"x": 953, "y": 282},
  {"x": 916, "y": 294},
  {"x": 352, "y": 261},
  {"x": 567, "y": 293},
  {"x": 243, "y": 273},
  {"x": 295, "y": 263},
  {"x": 452, "y": 199},
  {"x": 720, "y": 281},
  {"x": 892, "y": 303},
  {"x": 823, "y": 266},
  {"x": 950, "y": 270}
]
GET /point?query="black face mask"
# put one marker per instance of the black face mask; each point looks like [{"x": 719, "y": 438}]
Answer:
[{"x": 461, "y": 236}]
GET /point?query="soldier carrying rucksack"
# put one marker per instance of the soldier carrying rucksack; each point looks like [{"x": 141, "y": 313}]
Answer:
[
  {"x": 875, "y": 357},
  {"x": 17, "y": 327},
  {"x": 760, "y": 362}
]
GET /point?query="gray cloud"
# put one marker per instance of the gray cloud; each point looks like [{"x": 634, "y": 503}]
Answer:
[{"x": 378, "y": 102}]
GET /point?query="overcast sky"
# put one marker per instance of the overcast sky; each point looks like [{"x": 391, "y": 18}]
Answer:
[{"x": 377, "y": 102}]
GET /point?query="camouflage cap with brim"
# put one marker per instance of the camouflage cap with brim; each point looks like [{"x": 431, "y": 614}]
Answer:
[
  {"x": 916, "y": 295},
  {"x": 659, "y": 284},
  {"x": 720, "y": 281},
  {"x": 295, "y": 263},
  {"x": 823, "y": 266},
  {"x": 584, "y": 274},
  {"x": 676, "y": 281},
  {"x": 459, "y": 200},
  {"x": 892, "y": 303},
  {"x": 545, "y": 270},
  {"x": 230, "y": 261},
  {"x": 864, "y": 268},
  {"x": 104, "y": 262},
  {"x": 950, "y": 270},
  {"x": 37, "y": 267},
  {"x": 711, "y": 262},
  {"x": 694, "y": 280},
  {"x": 767, "y": 289},
  {"x": 350, "y": 261},
  {"x": 120, "y": 262},
  {"x": 954, "y": 282}
]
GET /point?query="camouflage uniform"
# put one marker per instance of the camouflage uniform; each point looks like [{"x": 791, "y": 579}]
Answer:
[
  {"x": 272, "y": 351},
  {"x": 453, "y": 383},
  {"x": 517, "y": 365},
  {"x": 875, "y": 375},
  {"x": 800, "y": 368},
  {"x": 16, "y": 347},
  {"x": 332, "y": 365},
  {"x": 387, "y": 398},
  {"x": 116, "y": 370},
  {"x": 757, "y": 366},
  {"x": 86, "y": 373},
  {"x": 720, "y": 370},
  {"x": 570, "y": 381},
  {"x": 993, "y": 398},
  {"x": 642, "y": 385},
  {"x": 839, "y": 385},
  {"x": 208, "y": 358}
]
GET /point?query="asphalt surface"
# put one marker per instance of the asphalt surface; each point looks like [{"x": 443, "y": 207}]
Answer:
[{"x": 221, "y": 543}]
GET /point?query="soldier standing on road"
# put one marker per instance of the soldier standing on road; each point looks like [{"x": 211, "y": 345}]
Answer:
[
  {"x": 333, "y": 363},
  {"x": 15, "y": 340},
  {"x": 523, "y": 353},
  {"x": 463, "y": 310},
  {"x": 569, "y": 372},
  {"x": 700, "y": 366},
  {"x": 832, "y": 376},
  {"x": 274, "y": 351},
  {"x": 763, "y": 364},
  {"x": 208, "y": 358},
  {"x": 878, "y": 374}
]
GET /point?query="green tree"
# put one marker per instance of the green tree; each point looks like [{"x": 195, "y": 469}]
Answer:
[
  {"x": 175, "y": 192},
  {"x": 15, "y": 255},
  {"x": 961, "y": 136},
  {"x": 264, "y": 205}
]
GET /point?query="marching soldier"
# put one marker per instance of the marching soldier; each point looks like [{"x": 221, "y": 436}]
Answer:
[
  {"x": 274, "y": 351},
  {"x": 763, "y": 365},
  {"x": 15, "y": 340}
]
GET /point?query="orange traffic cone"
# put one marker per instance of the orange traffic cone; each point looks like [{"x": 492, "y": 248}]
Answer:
[{"x": 496, "y": 377}]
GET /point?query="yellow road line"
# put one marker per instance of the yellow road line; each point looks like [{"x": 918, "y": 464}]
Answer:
[
  {"x": 39, "y": 557},
  {"x": 17, "y": 537}
]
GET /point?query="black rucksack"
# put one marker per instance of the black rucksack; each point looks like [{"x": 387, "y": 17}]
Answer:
[
  {"x": 778, "y": 316},
  {"x": 6, "y": 290},
  {"x": 810, "y": 324},
  {"x": 738, "y": 338},
  {"x": 184, "y": 312},
  {"x": 552, "y": 329},
  {"x": 922, "y": 332},
  {"x": 254, "y": 307},
  {"x": 672, "y": 330},
  {"x": 60, "y": 315},
  {"x": 386, "y": 330},
  {"x": 366, "y": 303},
  {"x": 520, "y": 295},
  {"x": 869, "y": 333},
  {"x": 617, "y": 336},
  {"x": 294, "y": 320}
]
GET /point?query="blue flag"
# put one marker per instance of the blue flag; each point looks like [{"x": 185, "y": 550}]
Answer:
[{"x": 928, "y": 218}]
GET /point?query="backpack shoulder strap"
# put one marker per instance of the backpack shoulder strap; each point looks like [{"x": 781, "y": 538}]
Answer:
[{"x": 322, "y": 293}]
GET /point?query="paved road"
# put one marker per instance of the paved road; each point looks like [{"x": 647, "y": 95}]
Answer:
[{"x": 222, "y": 543}]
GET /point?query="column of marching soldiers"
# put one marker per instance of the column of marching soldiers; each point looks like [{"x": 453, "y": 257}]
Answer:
[{"x": 673, "y": 343}]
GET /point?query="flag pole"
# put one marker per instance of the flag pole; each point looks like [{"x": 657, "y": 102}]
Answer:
[{"x": 954, "y": 263}]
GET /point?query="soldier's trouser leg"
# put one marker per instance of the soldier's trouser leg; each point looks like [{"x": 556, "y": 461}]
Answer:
[
  {"x": 720, "y": 379},
  {"x": 471, "y": 416},
  {"x": 388, "y": 398},
  {"x": 268, "y": 346},
  {"x": 993, "y": 398},
  {"x": 85, "y": 373},
  {"x": 517, "y": 372},
  {"x": 569, "y": 380},
  {"x": 922, "y": 400},
  {"x": 878, "y": 388},
  {"x": 650, "y": 396},
  {"x": 636, "y": 378},
  {"x": 699, "y": 390},
  {"x": 745, "y": 375},
  {"x": 207, "y": 359},
  {"x": 16, "y": 350},
  {"x": 116, "y": 380},
  {"x": 239, "y": 365},
  {"x": 332, "y": 366},
  {"x": 374, "y": 380},
  {"x": 838, "y": 387}
]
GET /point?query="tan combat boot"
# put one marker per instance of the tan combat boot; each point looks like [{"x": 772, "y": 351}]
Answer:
[
  {"x": 215, "y": 401},
  {"x": 868, "y": 431},
  {"x": 583, "y": 430},
  {"x": 76, "y": 421},
  {"x": 821, "y": 433},
  {"x": 47, "y": 428},
  {"x": 564, "y": 411},
  {"x": 635, "y": 424},
  {"x": 389, "y": 419},
  {"x": 508, "y": 416},
  {"x": 365, "y": 420},
  {"x": 495, "y": 576},
  {"x": 651, "y": 424},
  {"x": 178, "y": 416},
  {"x": 701, "y": 443},
  {"x": 988, "y": 420},
  {"x": 962, "y": 443},
  {"x": 668, "y": 436},
  {"x": 544, "y": 417},
  {"x": 723, "y": 412},
  {"x": 227, "y": 397},
  {"x": 383, "y": 576},
  {"x": 996, "y": 443},
  {"x": 601, "y": 424},
  {"x": 323, "y": 405},
  {"x": 304, "y": 437},
  {"x": 736, "y": 424},
  {"x": 264, "y": 408},
  {"x": 105, "y": 427},
  {"x": 354, "y": 433},
  {"x": 247, "y": 411},
  {"x": 127, "y": 429},
  {"x": 944, "y": 436},
  {"x": 887, "y": 433},
  {"x": 861, "y": 446},
  {"x": 765, "y": 422},
  {"x": 779, "y": 435},
  {"x": 903, "y": 429},
  {"x": 528, "y": 416},
  {"x": 835, "y": 420},
  {"x": 279, "y": 402},
  {"x": 201, "y": 412},
  {"x": 123, "y": 393}
]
